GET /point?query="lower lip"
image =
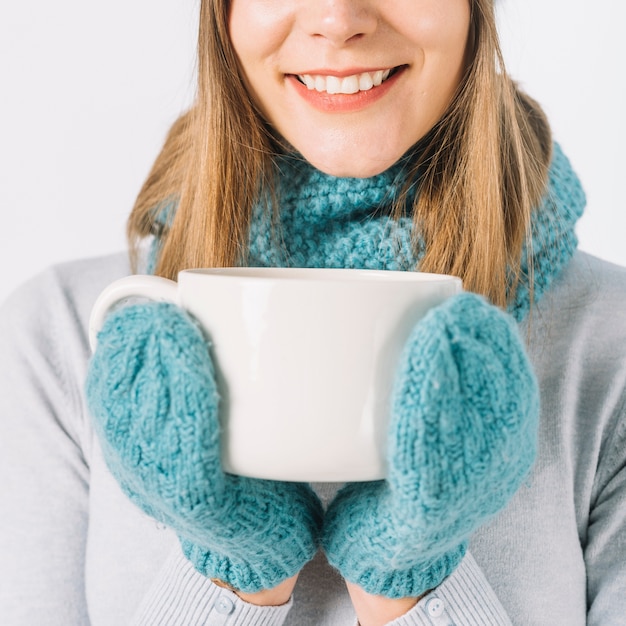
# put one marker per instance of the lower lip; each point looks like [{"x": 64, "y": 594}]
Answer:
[{"x": 342, "y": 102}]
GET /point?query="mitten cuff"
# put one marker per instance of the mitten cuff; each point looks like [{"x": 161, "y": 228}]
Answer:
[
  {"x": 400, "y": 583},
  {"x": 265, "y": 568}
]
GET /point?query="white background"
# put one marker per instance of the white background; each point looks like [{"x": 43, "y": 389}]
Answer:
[{"x": 89, "y": 89}]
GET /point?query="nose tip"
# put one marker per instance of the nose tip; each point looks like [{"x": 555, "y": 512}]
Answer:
[{"x": 342, "y": 21}]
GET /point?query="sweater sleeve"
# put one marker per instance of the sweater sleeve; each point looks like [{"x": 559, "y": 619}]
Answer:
[
  {"x": 43, "y": 472},
  {"x": 465, "y": 598},
  {"x": 180, "y": 596},
  {"x": 605, "y": 546}
]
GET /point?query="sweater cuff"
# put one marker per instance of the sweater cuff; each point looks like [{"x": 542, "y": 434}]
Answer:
[
  {"x": 181, "y": 596},
  {"x": 465, "y": 598}
]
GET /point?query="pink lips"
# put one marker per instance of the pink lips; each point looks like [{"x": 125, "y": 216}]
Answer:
[{"x": 339, "y": 102}]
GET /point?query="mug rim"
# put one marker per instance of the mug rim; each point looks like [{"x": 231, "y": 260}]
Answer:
[{"x": 313, "y": 274}]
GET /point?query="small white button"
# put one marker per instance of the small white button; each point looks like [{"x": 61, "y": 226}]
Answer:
[
  {"x": 224, "y": 605},
  {"x": 435, "y": 607}
]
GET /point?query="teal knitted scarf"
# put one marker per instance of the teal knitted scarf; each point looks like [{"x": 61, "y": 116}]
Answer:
[{"x": 327, "y": 221}]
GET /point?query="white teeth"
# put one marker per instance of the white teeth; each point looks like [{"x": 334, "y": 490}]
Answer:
[
  {"x": 333, "y": 84},
  {"x": 365, "y": 82},
  {"x": 377, "y": 78},
  {"x": 348, "y": 84}
]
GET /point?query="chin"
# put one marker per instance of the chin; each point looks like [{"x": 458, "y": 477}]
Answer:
[{"x": 351, "y": 167}]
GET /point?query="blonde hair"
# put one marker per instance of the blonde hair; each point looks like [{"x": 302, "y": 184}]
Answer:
[{"x": 482, "y": 168}]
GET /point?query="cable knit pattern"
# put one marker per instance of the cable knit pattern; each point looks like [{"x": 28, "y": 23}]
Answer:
[
  {"x": 462, "y": 438},
  {"x": 152, "y": 392}
]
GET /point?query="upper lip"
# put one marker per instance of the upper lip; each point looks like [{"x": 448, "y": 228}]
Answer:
[{"x": 344, "y": 73}]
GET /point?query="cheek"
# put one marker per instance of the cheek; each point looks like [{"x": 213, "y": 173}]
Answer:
[
  {"x": 251, "y": 37},
  {"x": 445, "y": 38},
  {"x": 441, "y": 27},
  {"x": 258, "y": 29}
]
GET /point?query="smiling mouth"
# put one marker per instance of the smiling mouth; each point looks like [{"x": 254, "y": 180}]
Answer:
[{"x": 346, "y": 84}]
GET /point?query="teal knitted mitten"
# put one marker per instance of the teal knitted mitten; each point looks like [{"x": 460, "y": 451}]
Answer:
[
  {"x": 151, "y": 389},
  {"x": 462, "y": 439}
]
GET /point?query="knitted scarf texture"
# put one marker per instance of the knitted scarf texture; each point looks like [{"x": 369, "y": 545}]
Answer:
[
  {"x": 333, "y": 222},
  {"x": 344, "y": 222}
]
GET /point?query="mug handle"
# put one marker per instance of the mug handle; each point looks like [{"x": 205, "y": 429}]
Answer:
[{"x": 152, "y": 287}]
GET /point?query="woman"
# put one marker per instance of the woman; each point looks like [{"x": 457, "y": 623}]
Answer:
[{"x": 355, "y": 134}]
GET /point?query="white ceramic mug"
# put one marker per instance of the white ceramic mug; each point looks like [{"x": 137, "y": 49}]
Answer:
[{"x": 305, "y": 360}]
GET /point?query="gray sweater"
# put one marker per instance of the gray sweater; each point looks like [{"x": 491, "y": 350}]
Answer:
[{"x": 75, "y": 551}]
